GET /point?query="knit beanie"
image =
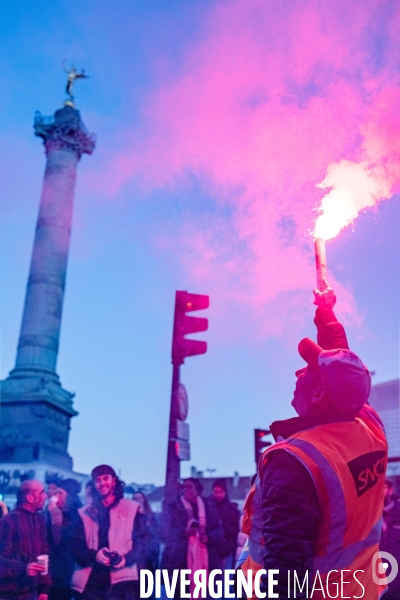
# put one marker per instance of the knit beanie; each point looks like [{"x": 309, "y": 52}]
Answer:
[{"x": 103, "y": 470}]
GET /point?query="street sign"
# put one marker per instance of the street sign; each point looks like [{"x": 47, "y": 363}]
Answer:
[
  {"x": 183, "y": 402},
  {"x": 182, "y": 450},
  {"x": 182, "y": 430}
]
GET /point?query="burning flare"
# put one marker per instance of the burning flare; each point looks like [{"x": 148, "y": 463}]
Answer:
[
  {"x": 320, "y": 263},
  {"x": 352, "y": 187}
]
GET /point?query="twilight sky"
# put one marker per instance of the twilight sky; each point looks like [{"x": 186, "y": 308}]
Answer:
[{"x": 216, "y": 120}]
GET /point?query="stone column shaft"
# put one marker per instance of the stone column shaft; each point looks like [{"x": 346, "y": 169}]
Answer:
[
  {"x": 40, "y": 329},
  {"x": 65, "y": 139}
]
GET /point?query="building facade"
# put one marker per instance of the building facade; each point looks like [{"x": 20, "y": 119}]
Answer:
[{"x": 385, "y": 398}]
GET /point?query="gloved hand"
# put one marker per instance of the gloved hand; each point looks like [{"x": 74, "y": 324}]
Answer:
[{"x": 327, "y": 297}]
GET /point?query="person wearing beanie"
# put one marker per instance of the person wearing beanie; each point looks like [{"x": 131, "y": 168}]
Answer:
[
  {"x": 73, "y": 489},
  {"x": 62, "y": 519},
  {"x": 107, "y": 542},
  {"x": 229, "y": 517},
  {"x": 314, "y": 511}
]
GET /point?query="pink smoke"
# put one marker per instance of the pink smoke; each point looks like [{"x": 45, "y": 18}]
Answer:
[
  {"x": 355, "y": 186},
  {"x": 269, "y": 95}
]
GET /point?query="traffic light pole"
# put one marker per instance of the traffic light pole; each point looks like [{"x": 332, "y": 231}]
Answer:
[
  {"x": 260, "y": 444},
  {"x": 182, "y": 347},
  {"x": 173, "y": 463}
]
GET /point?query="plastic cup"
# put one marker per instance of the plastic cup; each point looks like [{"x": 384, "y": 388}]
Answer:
[{"x": 43, "y": 559}]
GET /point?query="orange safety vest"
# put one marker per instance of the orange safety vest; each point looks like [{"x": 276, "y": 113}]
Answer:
[{"x": 347, "y": 462}]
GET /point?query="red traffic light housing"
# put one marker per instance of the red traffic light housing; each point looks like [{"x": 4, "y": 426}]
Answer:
[
  {"x": 184, "y": 324},
  {"x": 260, "y": 444}
]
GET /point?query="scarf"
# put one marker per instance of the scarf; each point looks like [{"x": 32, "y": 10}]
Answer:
[{"x": 197, "y": 554}]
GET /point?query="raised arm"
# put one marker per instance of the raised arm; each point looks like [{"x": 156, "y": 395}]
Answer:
[{"x": 331, "y": 333}]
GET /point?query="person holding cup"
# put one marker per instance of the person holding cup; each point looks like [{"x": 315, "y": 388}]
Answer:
[{"x": 23, "y": 547}]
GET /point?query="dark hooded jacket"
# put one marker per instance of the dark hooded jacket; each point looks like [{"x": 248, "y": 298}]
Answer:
[
  {"x": 62, "y": 563},
  {"x": 229, "y": 516}
]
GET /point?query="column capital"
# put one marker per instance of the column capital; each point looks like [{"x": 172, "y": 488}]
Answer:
[{"x": 65, "y": 130}]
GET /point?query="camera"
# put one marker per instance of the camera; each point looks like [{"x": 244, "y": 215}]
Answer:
[{"x": 115, "y": 558}]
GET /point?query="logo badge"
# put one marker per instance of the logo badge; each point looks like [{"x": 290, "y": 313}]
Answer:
[
  {"x": 366, "y": 470},
  {"x": 384, "y": 568}
]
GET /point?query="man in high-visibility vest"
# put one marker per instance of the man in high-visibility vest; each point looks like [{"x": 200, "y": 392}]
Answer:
[{"x": 315, "y": 508}]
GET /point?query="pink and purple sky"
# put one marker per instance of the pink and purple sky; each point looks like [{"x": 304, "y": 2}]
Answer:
[{"x": 215, "y": 120}]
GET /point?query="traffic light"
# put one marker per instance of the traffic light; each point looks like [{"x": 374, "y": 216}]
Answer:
[
  {"x": 259, "y": 443},
  {"x": 184, "y": 324}
]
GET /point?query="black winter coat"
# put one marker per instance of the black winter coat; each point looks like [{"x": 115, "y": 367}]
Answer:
[
  {"x": 150, "y": 543},
  {"x": 62, "y": 563},
  {"x": 229, "y": 516},
  {"x": 291, "y": 515},
  {"x": 176, "y": 542}
]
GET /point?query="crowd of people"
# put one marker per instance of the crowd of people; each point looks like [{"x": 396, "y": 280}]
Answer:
[
  {"x": 319, "y": 504},
  {"x": 54, "y": 547},
  {"x": 97, "y": 548}
]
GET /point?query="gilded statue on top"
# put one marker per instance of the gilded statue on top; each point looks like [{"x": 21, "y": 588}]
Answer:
[{"x": 73, "y": 75}]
